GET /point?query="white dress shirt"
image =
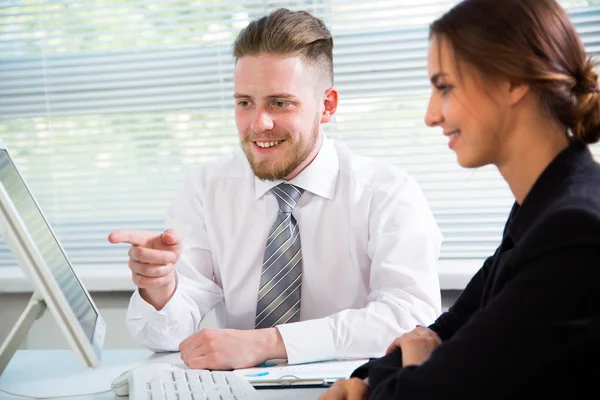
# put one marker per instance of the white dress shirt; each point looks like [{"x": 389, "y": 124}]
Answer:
[{"x": 369, "y": 250}]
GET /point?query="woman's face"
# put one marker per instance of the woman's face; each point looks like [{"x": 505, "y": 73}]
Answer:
[{"x": 474, "y": 120}]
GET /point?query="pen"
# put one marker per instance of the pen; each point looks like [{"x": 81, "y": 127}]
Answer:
[
  {"x": 281, "y": 383},
  {"x": 266, "y": 365}
]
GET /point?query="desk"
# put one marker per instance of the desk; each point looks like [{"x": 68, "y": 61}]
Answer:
[{"x": 60, "y": 373}]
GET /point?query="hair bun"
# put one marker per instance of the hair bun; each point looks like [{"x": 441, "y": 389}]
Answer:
[
  {"x": 588, "y": 79},
  {"x": 586, "y": 113}
]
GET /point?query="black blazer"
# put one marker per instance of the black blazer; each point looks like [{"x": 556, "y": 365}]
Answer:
[{"x": 528, "y": 323}]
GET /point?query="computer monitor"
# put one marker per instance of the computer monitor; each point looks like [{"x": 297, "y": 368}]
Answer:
[{"x": 43, "y": 260}]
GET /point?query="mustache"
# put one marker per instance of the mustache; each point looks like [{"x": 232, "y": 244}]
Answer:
[{"x": 269, "y": 137}]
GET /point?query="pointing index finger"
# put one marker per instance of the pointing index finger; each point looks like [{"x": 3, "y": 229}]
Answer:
[{"x": 137, "y": 238}]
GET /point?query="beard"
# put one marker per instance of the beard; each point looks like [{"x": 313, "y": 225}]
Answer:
[{"x": 284, "y": 165}]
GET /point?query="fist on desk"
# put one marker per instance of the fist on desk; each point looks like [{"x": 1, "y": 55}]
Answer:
[{"x": 225, "y": 349}]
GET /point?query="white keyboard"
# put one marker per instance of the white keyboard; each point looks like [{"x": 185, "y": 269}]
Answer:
[{"x": 177, "y": 382}]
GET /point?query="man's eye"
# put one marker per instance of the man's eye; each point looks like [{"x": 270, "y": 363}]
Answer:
[
  {"x": 243, "y": 103},
  {"x": 279, "y": 104}
]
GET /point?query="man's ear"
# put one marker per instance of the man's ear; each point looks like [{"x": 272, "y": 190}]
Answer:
[
  {"x": 330, "y": 102},
  {"x": 517, "y": 91}
]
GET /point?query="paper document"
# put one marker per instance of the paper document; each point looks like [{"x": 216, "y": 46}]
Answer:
[{"x": 322, "y": 372}]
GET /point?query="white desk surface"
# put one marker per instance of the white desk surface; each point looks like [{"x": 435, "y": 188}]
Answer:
[{"x": 60, "y": 373}]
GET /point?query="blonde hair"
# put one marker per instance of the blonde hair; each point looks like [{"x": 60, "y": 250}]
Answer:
[{"x": 285, "y": 32}]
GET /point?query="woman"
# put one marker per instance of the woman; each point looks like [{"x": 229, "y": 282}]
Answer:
[{"x": 511, "y": 86}]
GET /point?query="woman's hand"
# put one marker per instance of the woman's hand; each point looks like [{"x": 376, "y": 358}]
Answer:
[
  {"x": 417, "y": 345},
  {"x": 347, "y": 389}
]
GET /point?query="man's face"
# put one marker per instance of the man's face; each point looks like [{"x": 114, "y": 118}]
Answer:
[{"x": 277, "y": 114}]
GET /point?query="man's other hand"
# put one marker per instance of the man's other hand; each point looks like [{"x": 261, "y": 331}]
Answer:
[{"x": 226, "y": 349}]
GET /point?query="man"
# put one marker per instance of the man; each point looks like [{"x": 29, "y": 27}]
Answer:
[{"x": 304, "y": 249}]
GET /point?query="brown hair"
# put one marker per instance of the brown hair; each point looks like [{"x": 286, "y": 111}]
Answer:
[
  {"x": 532, "y": 42},
  {"x": 285, "y": 32}
]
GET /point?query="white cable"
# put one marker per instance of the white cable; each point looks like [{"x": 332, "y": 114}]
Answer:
[{"x": 54, "y": 397}]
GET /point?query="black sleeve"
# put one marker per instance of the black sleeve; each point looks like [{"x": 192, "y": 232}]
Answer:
[
  {"x": 541, "y": 317},
  {"x": 467, "y": 303},
  {"x": 390, "y": 362},
  {"x": 469, "y": 300}
]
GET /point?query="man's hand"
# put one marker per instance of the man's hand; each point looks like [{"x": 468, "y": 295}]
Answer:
[
  {"x": 347, "y": 389},
  {"x": 417, "y": 345},
  {"x": 226, "y": 349},
  {"x": 152, "y": 259}
]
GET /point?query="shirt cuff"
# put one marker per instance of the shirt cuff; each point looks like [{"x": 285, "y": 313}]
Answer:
[
  {"x": 308, "y": 341},
  {"x": 166, "y": 317}
]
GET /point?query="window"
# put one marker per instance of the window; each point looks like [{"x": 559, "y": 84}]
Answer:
[{"x": 105, "y": 104}]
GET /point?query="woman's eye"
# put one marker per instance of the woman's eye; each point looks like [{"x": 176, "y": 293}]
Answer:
[{"x": 444, "y": 89}]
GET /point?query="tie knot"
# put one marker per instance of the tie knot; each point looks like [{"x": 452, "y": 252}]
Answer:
[{"x": 287, "y": 196}]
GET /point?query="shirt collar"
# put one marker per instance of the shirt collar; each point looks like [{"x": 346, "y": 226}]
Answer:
[
  {"x": 549, "y": 184},
  {"x": 319, "y": 177}
]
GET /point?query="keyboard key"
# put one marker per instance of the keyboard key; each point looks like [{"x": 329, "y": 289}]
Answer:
[
  {"x": 185, "y": 396},
  {"x": 179, "y": 376},
  {"x": 182, "y": 386},
  {"x": 156, "y": 388},
  {"x": 196, "y": 387},
  {"x": 171, "y": 396},
  {"x": 192, "y": 377}
]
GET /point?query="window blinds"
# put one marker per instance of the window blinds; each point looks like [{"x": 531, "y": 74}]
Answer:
[{"x": 105, "y": 104}]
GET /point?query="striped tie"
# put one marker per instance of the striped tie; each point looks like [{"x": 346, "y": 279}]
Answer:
[{"x": 279, "y": 293}]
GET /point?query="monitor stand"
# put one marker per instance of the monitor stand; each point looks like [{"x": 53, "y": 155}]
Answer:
[{"x": 34, "y": 310}]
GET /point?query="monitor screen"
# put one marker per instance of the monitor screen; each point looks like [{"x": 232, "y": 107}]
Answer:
[{"x": 47, "y": 245}]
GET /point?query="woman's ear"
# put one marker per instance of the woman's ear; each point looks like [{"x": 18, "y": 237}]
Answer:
[{"x": 517, "y": 91}]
